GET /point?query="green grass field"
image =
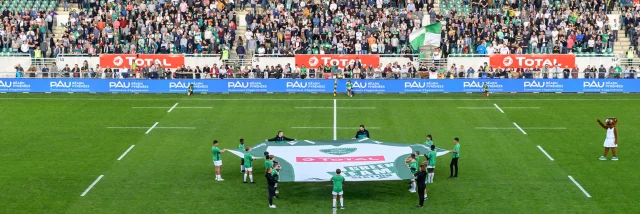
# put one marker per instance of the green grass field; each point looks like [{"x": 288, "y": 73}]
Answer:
[{"x": 55, "y": 145}]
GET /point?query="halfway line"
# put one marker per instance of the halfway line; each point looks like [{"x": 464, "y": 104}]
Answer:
[
  {"x": 327, "y": 127},
  {"x": 167, "y": 107},
  {"x": 123, "y": 127},
  {"x": 91, "y": 186},
  {"x": 171, "y": 109},
  {"x": 327, "y": 107},
  {"x": 545, "y": 153},
  {"x": 125, "y": 153},
  {"x": 335, "y": 120},
  {"x": 496, "y": 105},
  {"x": 577, "y": 184},
  {"x": 515, "y": 124},
  {"x": 154, "y": 125},
  {"x": 507, "y": 107}
]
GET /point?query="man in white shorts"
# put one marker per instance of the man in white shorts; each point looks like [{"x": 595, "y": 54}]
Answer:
[
  {"x": 611, "y": 140},
  {"x": 217, "y": 159},
  {"x": 337, "y": 188},
  {"x": 248, "y": 165}
]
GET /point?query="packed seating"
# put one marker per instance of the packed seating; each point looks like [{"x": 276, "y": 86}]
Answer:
[
  {"x": 161, "y": 26},
  {"x": 26, "y": 25}
]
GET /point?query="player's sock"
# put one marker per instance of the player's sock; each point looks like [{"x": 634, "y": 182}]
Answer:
[
  {"x": 342, "y": 202},
  {"x": 334, "y": 202},
  {"x": 413, "y": 186},
  {"x": 251, "y": 177},
  {"x": 245, "y": 178},
  {"x": 219, "y": 177},
  {"x": 433, "y": 174},
  {"x": 241, "y": 167}
]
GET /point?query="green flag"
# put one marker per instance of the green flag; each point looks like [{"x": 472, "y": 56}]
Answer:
[{"x": 429, "y": 35}]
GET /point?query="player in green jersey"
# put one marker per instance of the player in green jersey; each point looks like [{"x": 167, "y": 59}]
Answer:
[
  {"x": 413, "y": 167},
  {"x": 349, "y": 88},
  {"x": 217, "y": 159},
  {"x": 275, "y": 172},
  {"x": 455, "y": 154},
  {"x": 432, "y": 164},
  {"x": 190, "y": 90},
  {"x": 241, "y": 147},
  {"x": 248, "y": 165},
  {"x": 429, "y": 142},
  {"x": 485, "y": 90},
  {"x": 337, "y": 188}
]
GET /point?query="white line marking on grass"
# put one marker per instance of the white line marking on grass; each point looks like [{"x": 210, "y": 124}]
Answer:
[
  {"x": 124, "y": 127},
  {"x": 327, "y": 107},
  {"x": 503, "y": 107},
  {"x": 512, "y": 128},
  {"x": 363, "y": 139},
  {"x": 125, "y": 152},
  {"x": 311, "y": 99},
  {"x": 545, "y": 153},
  {"x": 91, "y": 186},
  {"x": 171, "y": 109},
  {"x": 327, "y": 127},
  {"x": 496, "y": 105},
  {"x": 577, "y": 184},
  {"x": 137, "y": 107},
  {"x": 154, "y": 125},
  {"x": 515, "y": 124},
  {"x": 335, "y": 120},
  {"x": 310, "y": 142}
]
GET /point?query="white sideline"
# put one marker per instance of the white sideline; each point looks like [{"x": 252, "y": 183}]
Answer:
[
  {"x": 327, "y": 107},
  {"x": 136, "y": 107},
  {"x": 91, "y": 186},
  {"x": 171, "y": 109},
  {"x": 327, "y": 127},
  {"x": 577, "y": 184},
  {"x": 508, "y": 107},
  {"x": 496, "y": 105},
  {"x": 335, "y": 120},
  {"x": 154, "y": 125},
  {"x": 125, "y": 152},
  {"x": 312, "y": 99},
  {"x": 511, "y": 128},
  {"x": 515, "y": 124},
  {"x": 163, "y": 127},
  {"x": 545, "y": 152}
]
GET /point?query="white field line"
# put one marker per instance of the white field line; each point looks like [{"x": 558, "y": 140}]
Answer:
[
  {"x": 125, "y": 152},
  {"x": 512, "y": 128},
  {"x": 498, "y": 107},
  {"x": 515, "y": 124},
  {"x": 363, "y": 139},
  {"x": 91, "y": 186},
  {"x": 312, "y": 99},
  {"x": 580, "y": 187},
  {"x": 327, "y": 127},
  {"x": 157, "y": 127},
  {"x": 327, "y": 107},
  {"x": 171, "y": 109},
  {"x": 310, "y": 142},
  {"x": 154, "y": 125},
  {"x": 545, "y": 153},
  {"x": 335, "y": 120},
  {"x": 138, "y": 107},
  {"x": 504, "y": 107}
]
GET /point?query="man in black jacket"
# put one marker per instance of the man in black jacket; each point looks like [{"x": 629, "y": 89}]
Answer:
[
  {"x": 271, "y": 186},
  {"x": 280, "y": 138},
  {"x": 362, "y": 133}
]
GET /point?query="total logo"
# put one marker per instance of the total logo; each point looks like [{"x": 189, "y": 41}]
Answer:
[
  {"x": 303, "y": 85},
  {"x": 507, "y": 61},
  {"x": 118, "y": 61},
  {"x": 313, "y": 61},
  {"x": 416, "y": 84}
]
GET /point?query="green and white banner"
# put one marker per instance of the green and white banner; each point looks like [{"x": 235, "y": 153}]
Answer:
[{"x": 359, "y": 160}]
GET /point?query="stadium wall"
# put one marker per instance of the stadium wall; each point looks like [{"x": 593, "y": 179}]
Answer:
[{"x": 318, "y": 86}]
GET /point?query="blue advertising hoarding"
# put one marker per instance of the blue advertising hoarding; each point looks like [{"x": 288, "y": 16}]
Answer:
[{"x": 318, "y": 86}]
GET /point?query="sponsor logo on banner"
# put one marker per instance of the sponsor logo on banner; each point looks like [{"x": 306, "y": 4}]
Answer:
[
  {"x": 69, "y": 86},
  {"x": 339, "y": 151},
  {"x": 341, "y": 159},
  {"x": 543, "y": 86},
  {"x": 476, "y": 86},
  {"x": 127, "y": 60},
  {"x": 602, "y": 86},
  {"x": 305, "y": 86},
  {"x": 423, "y": 86},
  {"x": 368, "y": 86},
  {"x": 14, "y": 86},
  {"x": 246, "y": 86},
  {"x": 369, "y": 172},
  {"x": 342, "y": 60},
  {"x": 128, "y": 86},
  {"x": 532, "y": 60},
  {"x": 183, "y": 86}
]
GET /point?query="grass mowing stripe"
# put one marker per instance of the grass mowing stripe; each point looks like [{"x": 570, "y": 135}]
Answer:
[
  {"x": 515, "y": 124},
  {"x": 91, "y": 186},
  {"x": 335, "y": 120},
  {"x": 327, "y": 127},
  {"x": 154, "y": 125},
  {"x": 580, "y": 187},
  {"x": 545, "y": 152},
  {"x": 498, "y": 107},
  {"x": 171, "y": 109},
  {"x": 125, "y": 152}
]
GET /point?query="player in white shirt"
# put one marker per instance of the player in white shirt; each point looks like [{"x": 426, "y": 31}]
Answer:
[{"x": 611, "y": 142}]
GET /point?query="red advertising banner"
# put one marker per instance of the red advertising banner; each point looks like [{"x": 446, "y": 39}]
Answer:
[
  {"x": 127, "y": 60},
  {"x": 342, "y": 60},
  {"x": 532, "y": 60}
]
